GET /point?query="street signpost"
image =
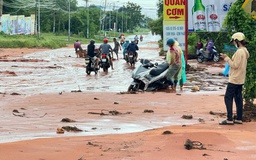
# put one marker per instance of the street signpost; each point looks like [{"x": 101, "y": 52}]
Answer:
[{"x": 174, "y": 25}]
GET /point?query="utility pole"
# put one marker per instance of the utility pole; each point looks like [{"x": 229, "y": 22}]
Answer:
[
  {"x": 68, "y": 20},
  {"x": 122, "y": 19},
  {"x": 38, "y": 19},
  {"x": 87, "y": 7}
]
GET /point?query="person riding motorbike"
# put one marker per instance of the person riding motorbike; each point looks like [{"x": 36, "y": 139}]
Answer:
[
  {"x": 77, "y": 45},
  {"x": 105, "y": 48},
  {"x": 141, "y": 38},
  {"x": 91, "y": 52},
  {"x": 209, "y": 49},
  {"x": 133, "y": 47},
  {"x": 136, "y": 39}
]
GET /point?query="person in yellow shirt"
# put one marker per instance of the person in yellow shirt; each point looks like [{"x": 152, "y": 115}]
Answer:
[{"x": 237, "y": 73}]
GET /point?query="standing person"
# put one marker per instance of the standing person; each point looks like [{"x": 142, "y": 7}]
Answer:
[
  {"x": 173, "y": 57},
  {"x": 183, "y": 72},
  {"x": 198, "y": 46},
  {"x": 117, "y": 46},
  {"x": 237, "y": 74},
  {"x": 91, "y": 52},
  {"x": 125, "y": 45},
  {"x": 122, "y": 39},
  {"x": 106, "y": 48},
  {"x": 77, "y": 45}
]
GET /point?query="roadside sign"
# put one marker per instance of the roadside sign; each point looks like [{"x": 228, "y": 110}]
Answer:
[
  {"x": 174, "y": 14},
  {"x": 250, "y": 7},
  {"x": 175, "y": 30},
  {"x": 174, "y": 10}
]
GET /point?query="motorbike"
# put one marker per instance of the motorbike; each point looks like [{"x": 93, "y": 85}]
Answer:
[
  {"x": 90, "y": 63},
  {"x": 203, "y": 56},
  {"x": 104, "y": 62},
  {"x": 149, "y": 76},
  {"x": 131, "y": 58}
]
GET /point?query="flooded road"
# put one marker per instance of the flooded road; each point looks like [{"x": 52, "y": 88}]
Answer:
[{"x": 60, "y": 71}]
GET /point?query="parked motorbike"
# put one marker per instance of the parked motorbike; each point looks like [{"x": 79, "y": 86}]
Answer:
[
  {"x": 203, "y": 56},
  {"x": 149, "y": 76},
  {"x": 104, "y": 62},
  {"x": 90, "y": 63}
]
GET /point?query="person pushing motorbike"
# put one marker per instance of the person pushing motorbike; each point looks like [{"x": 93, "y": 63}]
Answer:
[{"x": 105, "y": 48}]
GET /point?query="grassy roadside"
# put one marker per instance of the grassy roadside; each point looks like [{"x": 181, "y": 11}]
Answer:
[
  {"x": 50, "y": 40},
  {"x": 47, "y": 40}
]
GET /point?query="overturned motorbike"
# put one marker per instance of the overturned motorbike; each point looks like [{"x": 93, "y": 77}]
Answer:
[
  {"x": 149, "y": 76},
  {"x": 104, "y": 62},
  {"x": 90, "y": 63},
  {"x": 204, "y": 56}
]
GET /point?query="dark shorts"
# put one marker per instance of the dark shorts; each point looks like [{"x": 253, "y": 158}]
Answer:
[{"x": 115, "y": 50}]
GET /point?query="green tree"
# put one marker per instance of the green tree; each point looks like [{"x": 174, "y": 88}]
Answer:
[
  {"x": 157, "y": 25},
  {"x": 238, "y": 20},
  {"x": 134, "y": 15}
]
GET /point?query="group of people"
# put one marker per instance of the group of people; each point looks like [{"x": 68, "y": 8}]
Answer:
[
  {"x": 107, "y": 49},
  {"x": 177, "y": 66}
]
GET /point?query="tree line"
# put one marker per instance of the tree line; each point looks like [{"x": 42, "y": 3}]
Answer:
[{"x": 54, "y": 16}]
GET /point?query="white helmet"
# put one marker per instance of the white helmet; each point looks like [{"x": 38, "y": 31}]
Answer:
[{"x": 238, "y": 36}]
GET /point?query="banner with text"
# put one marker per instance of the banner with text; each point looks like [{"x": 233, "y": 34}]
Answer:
[
  {"x": 175, "y": 30},
  {"x": 174, "y": 14}
]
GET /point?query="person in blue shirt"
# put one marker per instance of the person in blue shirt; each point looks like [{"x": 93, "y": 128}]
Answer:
[{"x": 125, "y": 45}]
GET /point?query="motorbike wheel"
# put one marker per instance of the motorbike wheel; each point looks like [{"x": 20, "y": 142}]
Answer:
[
  {"x": 131, "y": 63},
  {"x": 216, "y": 57},
  {"x": 95, "y": 70},
  {"x": 88, "y": 70},
  {"x": 105, "y": 68},
  {"x": 200, "y": 58},
  {"x": 132, "y": 88}
]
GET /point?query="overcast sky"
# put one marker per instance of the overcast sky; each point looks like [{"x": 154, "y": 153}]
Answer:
[{"x": 149, "y": 8}]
